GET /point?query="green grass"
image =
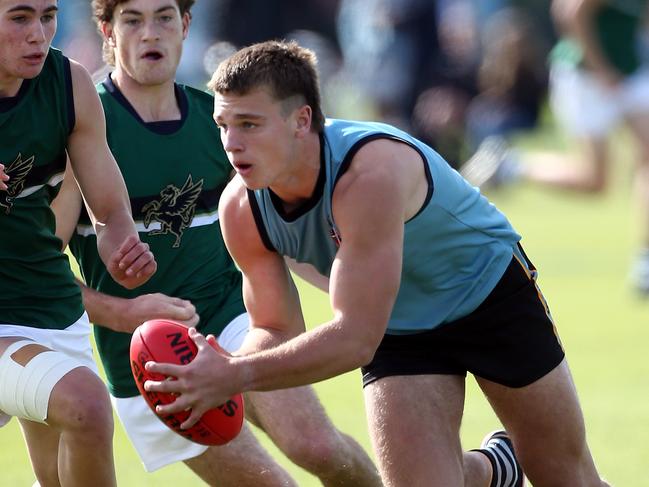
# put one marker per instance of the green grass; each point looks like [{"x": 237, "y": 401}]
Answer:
[{"x": 582, "y": 247}]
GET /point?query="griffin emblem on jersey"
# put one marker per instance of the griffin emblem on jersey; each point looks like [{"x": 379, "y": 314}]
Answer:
[
  {"x": 17, "y": 171},
  {"x": 174, "y": 210}
]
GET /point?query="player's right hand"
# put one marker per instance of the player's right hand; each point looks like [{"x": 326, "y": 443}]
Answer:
[
  {"x": 132, "y": 264},
  {"x": 157, "y": 306},
  {"x": 3, "y": 178}
]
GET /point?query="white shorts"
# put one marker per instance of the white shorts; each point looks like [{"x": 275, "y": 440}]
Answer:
[
  {"x": 155, "y": 443},
  {"x": 25, "y": 391},
  {"x": 586, "y": 108}
]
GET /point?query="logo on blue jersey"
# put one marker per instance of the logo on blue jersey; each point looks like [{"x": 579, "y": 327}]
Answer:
[{"x": 333, "y": 233}]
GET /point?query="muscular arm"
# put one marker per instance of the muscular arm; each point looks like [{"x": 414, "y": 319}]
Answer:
[
  {"x": 127, "y": 259},
  {"x": 119, "y": 314},
  {"x": 269, "y": 292},
  {"x": 365, "y": 280},
  {"x": 331, "y": 348}
]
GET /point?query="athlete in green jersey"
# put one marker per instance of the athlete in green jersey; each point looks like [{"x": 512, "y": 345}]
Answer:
[
  {"x": 168, "y": 148},
  {"x": 49, "y": 112}
]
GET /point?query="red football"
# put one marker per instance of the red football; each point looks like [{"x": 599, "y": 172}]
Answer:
[{"x": 167, "y": 341}]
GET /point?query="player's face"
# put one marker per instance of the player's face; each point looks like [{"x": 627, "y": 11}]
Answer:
[
  {"x": 258, "y": 136},
  {"x": 147, "y": 36},
  {"x": 26, "y": 31}
]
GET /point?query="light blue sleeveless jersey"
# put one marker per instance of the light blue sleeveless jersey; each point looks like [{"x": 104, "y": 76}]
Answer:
[{"x": 456, "y": 248}]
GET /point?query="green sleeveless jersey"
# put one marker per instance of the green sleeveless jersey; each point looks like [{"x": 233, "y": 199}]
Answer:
[
  {"x": 175, "y": 172},
  {"x": 617, "y": 27},
  {"x": 37, "y": 287}
]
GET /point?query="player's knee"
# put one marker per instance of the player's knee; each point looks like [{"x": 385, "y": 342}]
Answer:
[
  {"x": 80, "y": 404},
  {"x": 316, "y": 452}
]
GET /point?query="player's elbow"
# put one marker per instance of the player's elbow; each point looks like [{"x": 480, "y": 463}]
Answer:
[
  {"x": 365, "y": 345},
  {"x": 364, "y": 354}
]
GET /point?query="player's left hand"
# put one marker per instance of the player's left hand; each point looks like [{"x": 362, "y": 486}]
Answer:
[
  {"x": 203, "y": 384},
  {"x": 132, "y": 264}
]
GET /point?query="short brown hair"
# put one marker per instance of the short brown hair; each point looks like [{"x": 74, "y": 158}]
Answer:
[
  {"x": 286, "y": 68},
  {"x": 103, "y": 11}
]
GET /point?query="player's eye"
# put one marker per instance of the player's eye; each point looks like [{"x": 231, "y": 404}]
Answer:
[{"x": 46, "y": 19}]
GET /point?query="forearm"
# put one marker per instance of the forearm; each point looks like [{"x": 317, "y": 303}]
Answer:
[
  {"x": 103, "y": 309},
  {"x": 114, "y": 228},
  {"x": 319, "y": 354}
]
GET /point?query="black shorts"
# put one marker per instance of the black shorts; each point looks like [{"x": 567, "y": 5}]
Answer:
[{"x": 509, "y": 339}]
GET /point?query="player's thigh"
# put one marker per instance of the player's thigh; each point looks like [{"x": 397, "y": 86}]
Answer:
[
  {"x": 544, "y": 420},
  {"x": 44, "y": 385},
  {"x": 414, "y": 423},
  {"x": 293, "y": 418},
  {"x": 242, "y": 461}
]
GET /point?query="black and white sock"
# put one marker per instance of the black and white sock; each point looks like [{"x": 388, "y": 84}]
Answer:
[{"x": 506, "y": 470}]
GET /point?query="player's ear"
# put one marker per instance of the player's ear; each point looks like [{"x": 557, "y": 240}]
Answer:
[
  {"x": 303, "y": 116},
  {"x": 107, "y": 32},
  {"x": 187, "y": 20}
]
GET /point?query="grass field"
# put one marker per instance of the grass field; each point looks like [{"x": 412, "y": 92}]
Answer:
[{"x": 582, "y": 247}]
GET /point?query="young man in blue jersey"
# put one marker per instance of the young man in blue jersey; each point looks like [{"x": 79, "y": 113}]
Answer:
[
  {"x": 163, "y": 135},
  {"x": 49, "y": 111},
  {"x": 427, "y": 282}
]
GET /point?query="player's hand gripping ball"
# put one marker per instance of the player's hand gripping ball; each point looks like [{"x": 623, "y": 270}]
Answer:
[{"x": 167, "y": 341}]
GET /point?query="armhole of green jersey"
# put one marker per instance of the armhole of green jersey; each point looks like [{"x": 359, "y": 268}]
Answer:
[{"x": 69, "y": 98}]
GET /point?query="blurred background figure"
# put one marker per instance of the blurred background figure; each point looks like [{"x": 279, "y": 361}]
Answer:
[
  {"x": 439, "y": 114},
  {"x": 599, "y": 80},
  {"x": 489, "y": 77},
  {"x": 512, "y": 77},
  {"x": 222, "y": 26},
  {"x": 388, "y": 47}
]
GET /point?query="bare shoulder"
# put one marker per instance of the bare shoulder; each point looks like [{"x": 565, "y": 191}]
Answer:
[
  {"x": 237, "y": 221},
  {"x": 234, "y": 200},
  {"x": 81, "y": 80},
  {"x": 383, "y": 164},
  {"x": 384, "y": 175},
  {"x": 87, "y": 107}
]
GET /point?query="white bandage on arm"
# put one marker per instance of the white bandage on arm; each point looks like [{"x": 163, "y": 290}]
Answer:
[{"x": 25, "y": 391}]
